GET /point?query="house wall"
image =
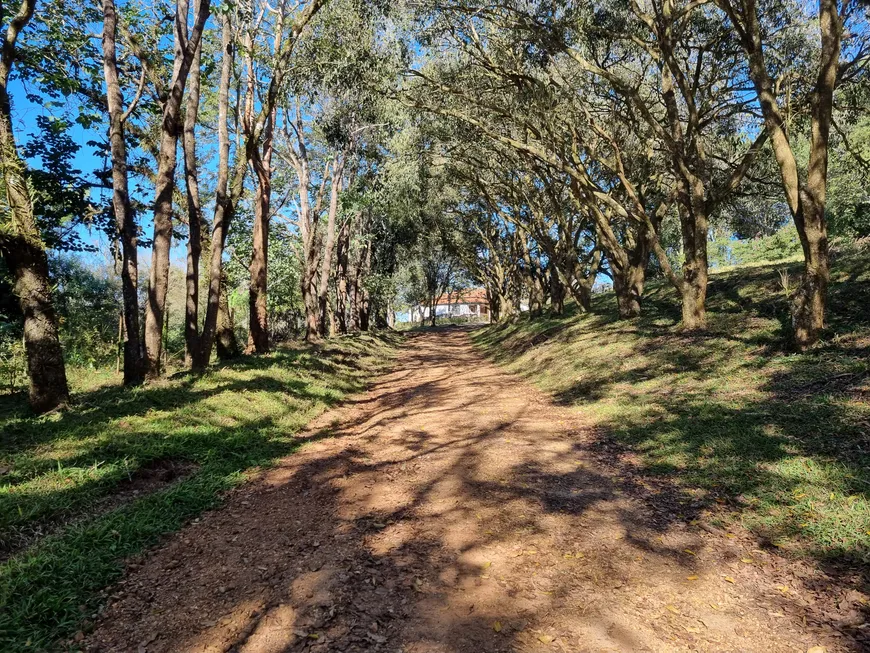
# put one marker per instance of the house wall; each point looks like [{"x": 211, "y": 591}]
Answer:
[{"x": 421, "y": 313}]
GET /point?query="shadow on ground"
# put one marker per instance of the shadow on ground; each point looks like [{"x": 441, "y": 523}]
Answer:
[
  {"x": 73, "y": 504},
  {"x": 455, "y": 510}
]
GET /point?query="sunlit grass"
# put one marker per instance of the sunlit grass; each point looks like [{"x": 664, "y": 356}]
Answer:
[
  {"x": 58, "y": 468},
  {"x": 775, "y": 440}
]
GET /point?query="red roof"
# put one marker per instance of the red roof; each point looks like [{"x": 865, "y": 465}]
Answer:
[{"x": 469, "y": 296}]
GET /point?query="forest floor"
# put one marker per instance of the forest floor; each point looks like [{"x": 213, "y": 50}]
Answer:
[{"x": 455, "y": 507}]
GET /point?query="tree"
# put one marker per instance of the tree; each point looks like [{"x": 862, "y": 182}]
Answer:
[
  {"x": 760, "y": 29},
  {"x": 125, "y": 220},
  {"x": 23, "y": 248},
  {"x": 186, "y": 46}
]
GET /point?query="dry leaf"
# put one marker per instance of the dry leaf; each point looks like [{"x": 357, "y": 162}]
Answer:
[
  {"x": 747, "y": 560},
  {"x": 729, "y": 579},
  {"x": 545, "y": 639},
  {"x": 689, "y": 551},
  {"x": 691, "y": 578},
  {"x": 673, "y": 609},
  {"x": 497, "y": 626}
]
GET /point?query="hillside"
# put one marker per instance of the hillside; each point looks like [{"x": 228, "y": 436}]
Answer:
[{"x": 746, "y": 431}]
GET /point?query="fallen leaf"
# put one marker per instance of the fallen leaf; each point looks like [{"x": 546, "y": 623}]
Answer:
[
  {"x": 817, "y": 649},
  {"x": 729, "y": 579},
  {"x": 497, "y": 626},
  {"x": 545, "y": 639},
  {"x": 487, "y": 564},
  {"x": 691, "y": 578},
  {"x": 747, "y": 560},
  {"x": 673, "y": 609},
  {"x": 689, "y": 551}
]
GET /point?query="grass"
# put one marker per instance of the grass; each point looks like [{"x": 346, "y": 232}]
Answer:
[
  {"x": 60, "y": 470},
  {"x": 743, "y": 429}
]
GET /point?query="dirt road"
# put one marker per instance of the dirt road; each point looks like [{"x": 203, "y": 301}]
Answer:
[{"x": 454, "y": 509}]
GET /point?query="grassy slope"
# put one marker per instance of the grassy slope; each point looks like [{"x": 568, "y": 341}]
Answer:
[
  {"x": 58, "y": 468},
  {"x": 746, "y": 431}
]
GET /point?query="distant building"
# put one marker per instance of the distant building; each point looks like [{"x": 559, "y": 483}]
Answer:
[{"x": 471, "y": 304}]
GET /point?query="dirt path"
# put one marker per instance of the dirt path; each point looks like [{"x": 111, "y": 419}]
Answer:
[{"x": 456, "y": 509}]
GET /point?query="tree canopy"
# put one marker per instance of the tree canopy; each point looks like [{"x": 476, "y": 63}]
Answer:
[{"x": 255, "y": 171}]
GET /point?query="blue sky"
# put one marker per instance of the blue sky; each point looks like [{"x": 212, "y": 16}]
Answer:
[{"x": 25, "y": 113}]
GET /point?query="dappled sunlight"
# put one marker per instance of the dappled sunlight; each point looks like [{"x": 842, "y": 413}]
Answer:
[
  {"x": 435, "y": 517},
  {"x": 122, "y": 466},
  {"x": 727, "y": 411}
]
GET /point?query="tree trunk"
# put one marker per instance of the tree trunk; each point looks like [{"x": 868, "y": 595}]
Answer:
[
  {"x": 257, "y": 298},
  {"x": 363, "y": 311},
  {"x": 28, "y": 264},
  {"x": 194, "y": 215},
  {"x": 557, "y": 291},
  {"x": 629, "y": 277},
  {"x": 341, "y": 295},
  {"x": 364, "y": 304},
  {"x": 806, "y": 200},
  {"x": 24, "y": 252},
  {"x": 165, "y": 184},
  {"x": 492, "y": 300},
  {"x": 693, "y": 221},
  {"x": 808, "y": 309},
  {"x": 326, "y": 262},
  {"x": 628, "y": 287},
  {"x": 125, "y": 222},
  {"x": 309, "y": 295},
  {"x": 227, "y": 346},
  {"x": 693, "y": 292},
  {"x": 225, "y": 201},
  {"x": 584, "y": 280},
  {"x": 308, "y": 222}
]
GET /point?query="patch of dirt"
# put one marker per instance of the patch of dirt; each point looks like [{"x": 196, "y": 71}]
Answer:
[
  {"x": 151, "y": 477},
  {"x": 458, "y": 510}
]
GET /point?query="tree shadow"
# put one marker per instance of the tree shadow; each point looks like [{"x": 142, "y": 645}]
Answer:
[
  {"x": 450, "y": 510},
  {"x": 60, "y": 468}
]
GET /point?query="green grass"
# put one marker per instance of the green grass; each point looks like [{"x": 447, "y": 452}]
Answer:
[
  {"x": 61, "y": 468},
  {"x": 742, "y": 429}
]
